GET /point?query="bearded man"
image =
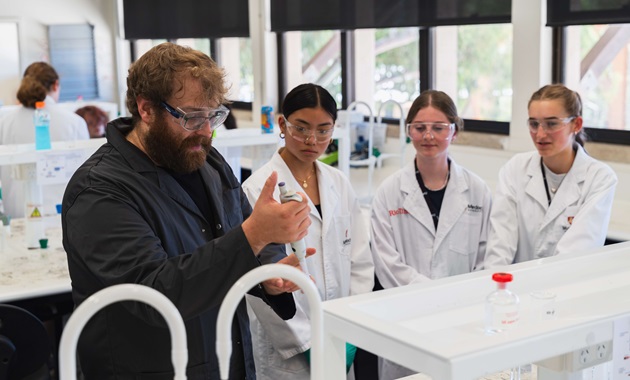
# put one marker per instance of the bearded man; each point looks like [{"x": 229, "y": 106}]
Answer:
[{"x": 158, "y": 206}]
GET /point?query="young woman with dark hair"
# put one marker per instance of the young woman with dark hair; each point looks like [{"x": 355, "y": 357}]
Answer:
[{"x": 342, "y": 265}]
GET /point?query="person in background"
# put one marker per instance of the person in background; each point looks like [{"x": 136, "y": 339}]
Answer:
[
  {"x": 40, "y": 83},
  {"x": 96, "y": 120},
  {"x": 158, "y": 206},
  {"x": 430, "y": 218},
  {"x": 343, "y": 265},
  {"x": 556, "y": 199}
]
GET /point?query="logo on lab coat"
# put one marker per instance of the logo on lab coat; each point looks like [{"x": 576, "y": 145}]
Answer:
[
  {"x": 474, "y": 208},
  {"x": 347, "y": 240},
  {"x": 398, "y": 211},
  {"x": 570, "y": 219}
]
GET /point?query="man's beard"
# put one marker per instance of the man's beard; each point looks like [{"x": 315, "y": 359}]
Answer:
[{"x": 166, "y": 150}]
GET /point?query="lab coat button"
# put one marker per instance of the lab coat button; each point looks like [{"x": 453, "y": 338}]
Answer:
[
  {"x": 219, "y": 227},
  {"x": 203, "y": 230}
]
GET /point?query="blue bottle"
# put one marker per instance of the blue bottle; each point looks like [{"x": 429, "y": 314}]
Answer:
[
  {"x": 266, "y": 119},
  {"x": 41, "y": 118}
]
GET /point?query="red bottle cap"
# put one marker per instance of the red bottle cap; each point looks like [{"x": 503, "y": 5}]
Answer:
[
  {"x": 502, "y": 277},
  {"x": 40, "y": 104}
]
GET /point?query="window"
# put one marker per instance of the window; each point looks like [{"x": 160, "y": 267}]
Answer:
[
  {"x": 592, "y": 44},
  {"x": 474, "y": 66},
  {"x": 391, "y": 41},
  {"x": 72, "y": 55},
  {"x": 217, "y": 28},
  {"x": 314, "y": 57},
  {"x": 201, "y": 44},
  {"x": 236, "y": 58},
  {"x": 396, "y": 74},
  {"x": 142, "y": 46},
  {"x": 234, "y": 55},
  {"x": 597, "y": 65}
]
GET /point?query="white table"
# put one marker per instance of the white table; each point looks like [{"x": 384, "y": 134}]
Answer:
[
  {"x": 437, "y": 328},
  {"x": 32, "y": 273}
]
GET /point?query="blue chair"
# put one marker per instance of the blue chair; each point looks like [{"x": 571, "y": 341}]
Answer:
[{"x": 24, "y": 345}]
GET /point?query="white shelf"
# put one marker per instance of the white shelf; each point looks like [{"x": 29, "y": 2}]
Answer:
[{"x": 26, "y": 153}]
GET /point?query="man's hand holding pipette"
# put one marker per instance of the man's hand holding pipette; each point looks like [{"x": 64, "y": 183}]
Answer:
[{"x": 277, "y": 286}]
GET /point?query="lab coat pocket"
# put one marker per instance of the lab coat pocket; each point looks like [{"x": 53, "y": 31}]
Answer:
[
  {"x": 342, "y": 227},
  {"x": 465, "y": 234}
]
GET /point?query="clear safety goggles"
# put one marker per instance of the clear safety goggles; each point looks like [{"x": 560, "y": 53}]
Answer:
[
  {"x": 302, "y": 134},
  {"x": 549, "y": 125},
  {"x": 194, "y": 121},
  {"x": 418, "y": 130}
]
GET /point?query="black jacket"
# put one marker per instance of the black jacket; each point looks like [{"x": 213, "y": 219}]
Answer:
[{"x": 126, "y": 220}]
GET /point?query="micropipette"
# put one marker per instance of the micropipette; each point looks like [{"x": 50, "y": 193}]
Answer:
[{"x": 298, "y": 247}]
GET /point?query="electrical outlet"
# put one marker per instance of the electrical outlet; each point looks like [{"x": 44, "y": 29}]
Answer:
[
  {"x": 583, "y": 358},
  {"x": 602, "y": 350}
]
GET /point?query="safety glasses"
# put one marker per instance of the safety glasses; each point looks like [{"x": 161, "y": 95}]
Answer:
[{"x": 194, "y": 121}]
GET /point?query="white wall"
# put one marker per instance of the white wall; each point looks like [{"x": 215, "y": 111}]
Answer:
[
  {"x": 9, "y": 54},
  {"x": 33, "y": 17}
]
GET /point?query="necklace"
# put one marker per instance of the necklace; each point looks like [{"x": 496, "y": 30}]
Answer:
[
  {"x": 548, "y": 189},
  {"x": 304, "y": 184},
  {"x": 448, "y": 174}
]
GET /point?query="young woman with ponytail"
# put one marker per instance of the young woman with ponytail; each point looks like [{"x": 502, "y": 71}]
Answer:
[
  {"x": 556, "y": 200},
  {"x": 39, "y": 84}
]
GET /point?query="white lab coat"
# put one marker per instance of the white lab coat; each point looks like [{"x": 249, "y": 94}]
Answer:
[
  {"x": 524, "y": 227},
  {"x": 406, "y": 247},
  {"x": 341, "y": 267},
  {"x": 16, "y": 127}
]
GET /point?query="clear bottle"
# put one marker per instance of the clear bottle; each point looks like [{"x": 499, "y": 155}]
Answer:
[
  {"x": 502, "y": 306},
  {"x": 41, "y": 119}
]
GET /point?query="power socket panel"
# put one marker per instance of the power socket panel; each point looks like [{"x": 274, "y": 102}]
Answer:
[{"x": 578, "y": 360}]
